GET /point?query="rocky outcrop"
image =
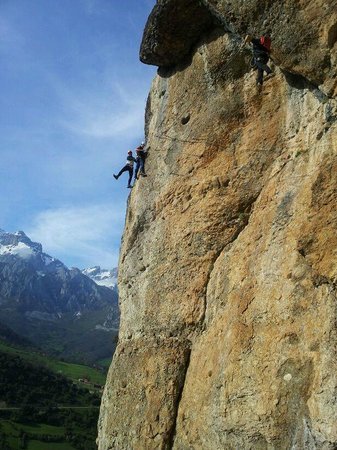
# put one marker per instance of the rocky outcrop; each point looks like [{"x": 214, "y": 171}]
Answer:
[
  {"x": 173, "y": 27},
  {"x": 227, "y": 273}
]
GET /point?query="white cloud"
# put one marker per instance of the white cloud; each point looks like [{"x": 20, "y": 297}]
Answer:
[
  {"x": 108, "y": 112},
  {"x": 105, "y": 125},
  {"x": 11, "y": 40},
  {"x": 94, "y": 7},
  {"x": 83, "y": 234},
  {"x": 7, "y": 32},
  {"x": 90, "y": 6}
]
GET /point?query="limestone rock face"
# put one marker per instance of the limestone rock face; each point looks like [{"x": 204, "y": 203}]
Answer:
[{"x": 228, "y": 266}]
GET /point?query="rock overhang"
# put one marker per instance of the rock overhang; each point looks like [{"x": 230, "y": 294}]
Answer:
[
  {"x": 304, "y": 38},
  {"x": 172, "y": 29}
]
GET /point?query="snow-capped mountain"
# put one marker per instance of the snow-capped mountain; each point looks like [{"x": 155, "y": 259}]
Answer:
[
  {"x": 42, "y": 299},
  {"x": 19, "y": 245},
  {"x": 103, "y": 277},
  {"x": 43, "y": 283}
]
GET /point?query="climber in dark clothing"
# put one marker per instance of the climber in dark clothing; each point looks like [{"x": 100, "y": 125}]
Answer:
[
  {"x": 130, "y": 160},
  {"x": 140, "y": 160},
  {"x": 261, "y": 52}
]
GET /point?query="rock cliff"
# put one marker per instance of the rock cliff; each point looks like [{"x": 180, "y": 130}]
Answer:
[{"x": 228, "y": 265}]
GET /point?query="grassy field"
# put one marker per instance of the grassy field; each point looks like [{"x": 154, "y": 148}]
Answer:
[
  {"x": 76, "y": 371},
  {"x": 72, "y": 371},
  {"x": 13, "y": 428},
  {"x": 41, "y": 427},
  {"x": 13, "y": 431},
  {"x": 39, "y": 445},
  {"x": 105, "y": 362}
]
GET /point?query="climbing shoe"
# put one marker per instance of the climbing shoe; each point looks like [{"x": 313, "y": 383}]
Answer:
[
  {"x": 269, "y": 75},
  {"x": 115, "y": 177},
  {"x": 258, "y": 88}
]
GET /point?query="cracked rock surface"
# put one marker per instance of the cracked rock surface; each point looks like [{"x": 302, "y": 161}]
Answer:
[{"x": 228, "y": 268}]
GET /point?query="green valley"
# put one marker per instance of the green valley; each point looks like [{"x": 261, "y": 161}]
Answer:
[{"x": 46, "y": 403}]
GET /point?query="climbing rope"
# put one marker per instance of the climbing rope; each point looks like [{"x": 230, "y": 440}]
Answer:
[
  {"x": 285, "y": 162},
  {"x": 165, "y": 136}
]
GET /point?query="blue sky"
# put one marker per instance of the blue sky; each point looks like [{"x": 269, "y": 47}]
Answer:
[{"x": 72, "y": 102}]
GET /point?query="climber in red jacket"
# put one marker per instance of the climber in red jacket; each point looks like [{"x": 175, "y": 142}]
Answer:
[
  {"x": 261, "y": 52},
  {"x": 140, "y": 160}
]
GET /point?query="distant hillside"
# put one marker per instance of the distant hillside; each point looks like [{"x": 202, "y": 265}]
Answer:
[
  {"x": 10, "y": 337},
  {"x": 59, "y": 309},
  {"x": 72, "y": 371},
  {"x": 40, "y": 407},
  {"x": 23, "y": 382}
]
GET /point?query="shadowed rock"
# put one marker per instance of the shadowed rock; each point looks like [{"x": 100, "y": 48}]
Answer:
[{"x": 172, "y": 29}]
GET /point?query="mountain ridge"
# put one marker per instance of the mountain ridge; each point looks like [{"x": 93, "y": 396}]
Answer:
[
  {"x": 103, "y": 277},
  {"x": 38, "y": 292}
]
